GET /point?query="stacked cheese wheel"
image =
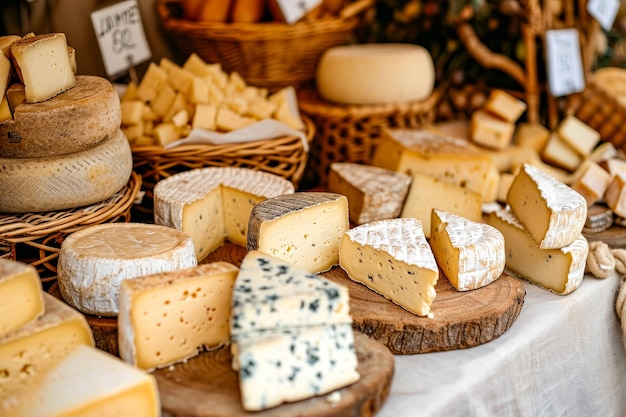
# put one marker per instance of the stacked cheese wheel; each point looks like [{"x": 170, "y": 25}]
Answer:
[{"x": 61, "y": 145}]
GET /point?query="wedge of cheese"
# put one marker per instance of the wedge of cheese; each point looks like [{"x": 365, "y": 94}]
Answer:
[
  {"x": 303, "y": 228},
  {"x": 489, "y": 131},
  {"x": 531, "y": 136},
  {"x": 91, "y": 382},
  {"x": 470, "y": 253},
  {"x": 552, "y": 212},
  {"x": 93, "y": 262},
  {"x": 373, "y": 193},
  {"x": 580, "y": 136},
  {"x": 393, "y": 258},
  {"x": 504, "y": 105},
  {"x": 21, "y": 297},
  {"x": 559, "y": 153},
  {"x": 615, "y": 195},
  {"x": 591, "y": 181},
  {"x": 172, "y": 316},
  {"x": 560, "y": 270}
]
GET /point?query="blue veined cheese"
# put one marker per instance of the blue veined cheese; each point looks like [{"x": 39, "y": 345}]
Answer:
[
  {"x": 393, "y": 258},
  {"x": 470, "y": 253},
  {"x": 292, "y": 364},
  {"x": 270, "y": 293}
]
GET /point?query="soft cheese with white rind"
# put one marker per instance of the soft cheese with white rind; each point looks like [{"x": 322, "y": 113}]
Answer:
[
  {"x": 292, "y": 364},
  {"x": 270, "y": 293},
  {"x": 74, "y": 121},
  {"x": 393, "y": 258},
  {"x": 21, "y": 298},
  {"x": 470, "y": 254},
  {"x": 169, "y": 317},
  {"x": 552, "y": 212},
  {"x": 214, "y": 204},
  {"x": 67, "y": 181},
  {"x": 373, "y": 193},
  {"x": 93, "y": 262},
  {"x": 90, "y": 382},
  {"x": 560, "y": 270},
  {"x": 303, "y": 228}
]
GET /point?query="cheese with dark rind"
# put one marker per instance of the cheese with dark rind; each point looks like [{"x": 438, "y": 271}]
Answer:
[{"x": 73, "y": 121}]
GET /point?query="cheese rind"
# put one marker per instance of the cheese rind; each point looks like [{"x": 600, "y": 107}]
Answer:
[
  {"x": 470, "y": 254},
  {"x": 303, "y": 228},
  {"x": 491, "y": 132},
  {"x": 93, "y": 262},
  {"x": 581, "y": 137},
  {"x": 393, "y": 258},
  {"x": 552, "y": 212},
  {"x": 21, "y": 299},
  {"x": 172, "y": 316}
]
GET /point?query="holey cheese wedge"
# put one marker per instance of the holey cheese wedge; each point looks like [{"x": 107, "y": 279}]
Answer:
[
  {"x": 168, "y": 317},
  {"x": 470, "y": 254},
  {"x": 270, "y": 293},
  {"x": 303, "y": 228},
  {"x": 552, "y": 212},
  {"x": 393, "y": 258},
  {"x": 560, "y": 270},
  {"x": 214, "y": 204},
  {"x": 92, "y": 383},
  {"x": 21, "y": 297},
  {"x": 93, "y": 262}
]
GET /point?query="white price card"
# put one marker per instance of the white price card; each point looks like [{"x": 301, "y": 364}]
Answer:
[
  {"x": 564, "y": 62},
  {"x": 121, "y": 37},
  {"x": 294, "y": 10},
  {"x": 604, "y": 11}
]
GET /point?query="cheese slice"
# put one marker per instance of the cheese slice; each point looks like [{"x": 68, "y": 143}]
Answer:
[
  {"x": 44, "y": 65},
  {"x": 285, "y": 365},
  {"x": 214, "y": 204},
  {"x": 559, "y": 153},
  {"x": 21, "y": 299},
  {"x": 428, "y": 193},
  {"x": 450, "y": 159},
  {"x": 491, "y": 132},
  {"x": 560, "y": 270},
  {"x": 5, "y": 73},
  {"x": 5, "y": 110},
  {"x": 74, "y": 121},
  {"x": 301, "y": 228},
  {"x": 552, "y": 212},
  {"x": 577, "y": 134},
  {"x": 470, "y": 254},
  {"x": 169, "y": 317},
  {"x": 504, "y": 105},
  {"x": 270, "y": 293},
  {"x": 373, "y": 193},
  {"x": 88, "y": 383},
  {"x": 66, "y": 181},
  {"x": 5, "y": 43},
  {"x": 94, "y": 261},
  {"x": 28, "y": 353},
  {"x": 591, "y": 181},
  {"x": 532, "y": 136},
  {"x": 393, "y": 258},
  {"x": 615, "y": 195}
]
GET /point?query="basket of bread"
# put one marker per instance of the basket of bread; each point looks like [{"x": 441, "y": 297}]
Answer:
[{"x": 270, "y": 43}]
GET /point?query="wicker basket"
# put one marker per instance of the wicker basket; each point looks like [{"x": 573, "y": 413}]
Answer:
[
  {"x": 351, "y": 133},
  {"x": 266, "y": 54},
  {"x": 35, "y": 238}
]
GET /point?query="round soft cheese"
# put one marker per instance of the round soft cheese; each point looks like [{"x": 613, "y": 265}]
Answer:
[
  {"x": 85, "y": 115},
  {"x": 93, "y": 262},
  {"x": 367, "y": 74},
  {"x": 67, "y": 181}
]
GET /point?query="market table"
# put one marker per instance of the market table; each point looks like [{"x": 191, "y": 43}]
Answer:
[{"x": 563, "y": 356}]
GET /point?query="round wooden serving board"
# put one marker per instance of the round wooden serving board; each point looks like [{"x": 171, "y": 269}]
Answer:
[{"x": 614, "y": 236}]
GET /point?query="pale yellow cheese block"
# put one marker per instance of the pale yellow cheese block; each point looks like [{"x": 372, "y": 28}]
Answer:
[
  {"x": 591, "y": 181},
  {"x": 21, "y": 298},
  {"x": 531, "y": 135},
  {"x": 73, "y": 121},
  {"x": 489, "y": 131},
  {"x": 559, "y": 153},
  {"x": 577, "y": 134},
  {"x": 5, "y": 43},
  {"x": 615, "y": 195},
  {"x": 5, "y": 73},
  {"x": 504, "y": 106}
]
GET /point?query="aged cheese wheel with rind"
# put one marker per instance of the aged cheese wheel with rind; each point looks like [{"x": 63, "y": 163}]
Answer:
[
  {"x": 85, "y": 115},
  {"x": 66, "y": 181}
]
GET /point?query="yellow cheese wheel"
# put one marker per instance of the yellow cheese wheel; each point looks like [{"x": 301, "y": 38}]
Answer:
[{"x": 366, "y": 74}]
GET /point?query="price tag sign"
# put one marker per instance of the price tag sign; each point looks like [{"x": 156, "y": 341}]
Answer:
[
  {"x": 293, "y": 11},
  {"x": 604, "y": 11},
  {"x": 121, "y": 37},
  {"x": 564, "y": 62}
]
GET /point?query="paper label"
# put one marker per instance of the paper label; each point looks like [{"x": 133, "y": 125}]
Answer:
[
  {"x": 293, "y": 11},
  {"x": 121, "y": 37},
  {"x": 564, "y": 62},
  {"x": 604, "y": 11}
]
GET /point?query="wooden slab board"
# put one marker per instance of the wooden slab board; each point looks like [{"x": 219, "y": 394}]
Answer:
[{"x": 614, "y": 236}]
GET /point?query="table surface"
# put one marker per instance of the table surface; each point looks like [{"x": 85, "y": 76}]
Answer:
[{"x": 564, "y": 356}]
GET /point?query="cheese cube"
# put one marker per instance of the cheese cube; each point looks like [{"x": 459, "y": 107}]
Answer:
[
  {"x": 470, "y": 254},
  {"x": 163, "y": 100},
  {"x": 301, "y": 228},
  {"x": 393, "y": 258},
  {"x": 5, "y": 44},
  {"x": 21, "y": 299},
  {"x": 615, "y": 195},
  {"x": 506, "y": 179},
  {"x": 227, "y": 120},
  {"x": 553, "y": 213},
  {"x": 196, "y": 65},
  {"x": 614, "y": 166},
  {"x": 260, "y": 108},
  {"x": 581, "y": 137},
  {"x": 504, "y": 106},
  {"x": 91, "y": 382},
  {"x": 491, "y": 132},
  {"x": 166, "y": 133},
  {"x": 427, "y": 193},
  {"x": 591, "y": 181},
  {"x": 560, "y": 270},
  {"x": 152, "y": 83},
  {"x": 44, "y": 65},
  {"x": 531, "y": 135},
  {"x": 560, "y": 153},
  {"x": 15, "y": 96},
  {"x": 603, "y": 152},
  {"x": 132, "y": 112}
]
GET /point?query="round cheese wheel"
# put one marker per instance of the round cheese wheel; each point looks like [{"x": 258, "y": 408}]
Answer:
[
  {"x": 81, "y": 117},
  {"x": 93, "y": 262},
  {"x": 366, "y": 74},
  {"x": 66, "y": 181}
]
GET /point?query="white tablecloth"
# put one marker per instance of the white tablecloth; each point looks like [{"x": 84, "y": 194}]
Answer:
[{"x": 563, "y": 356}]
